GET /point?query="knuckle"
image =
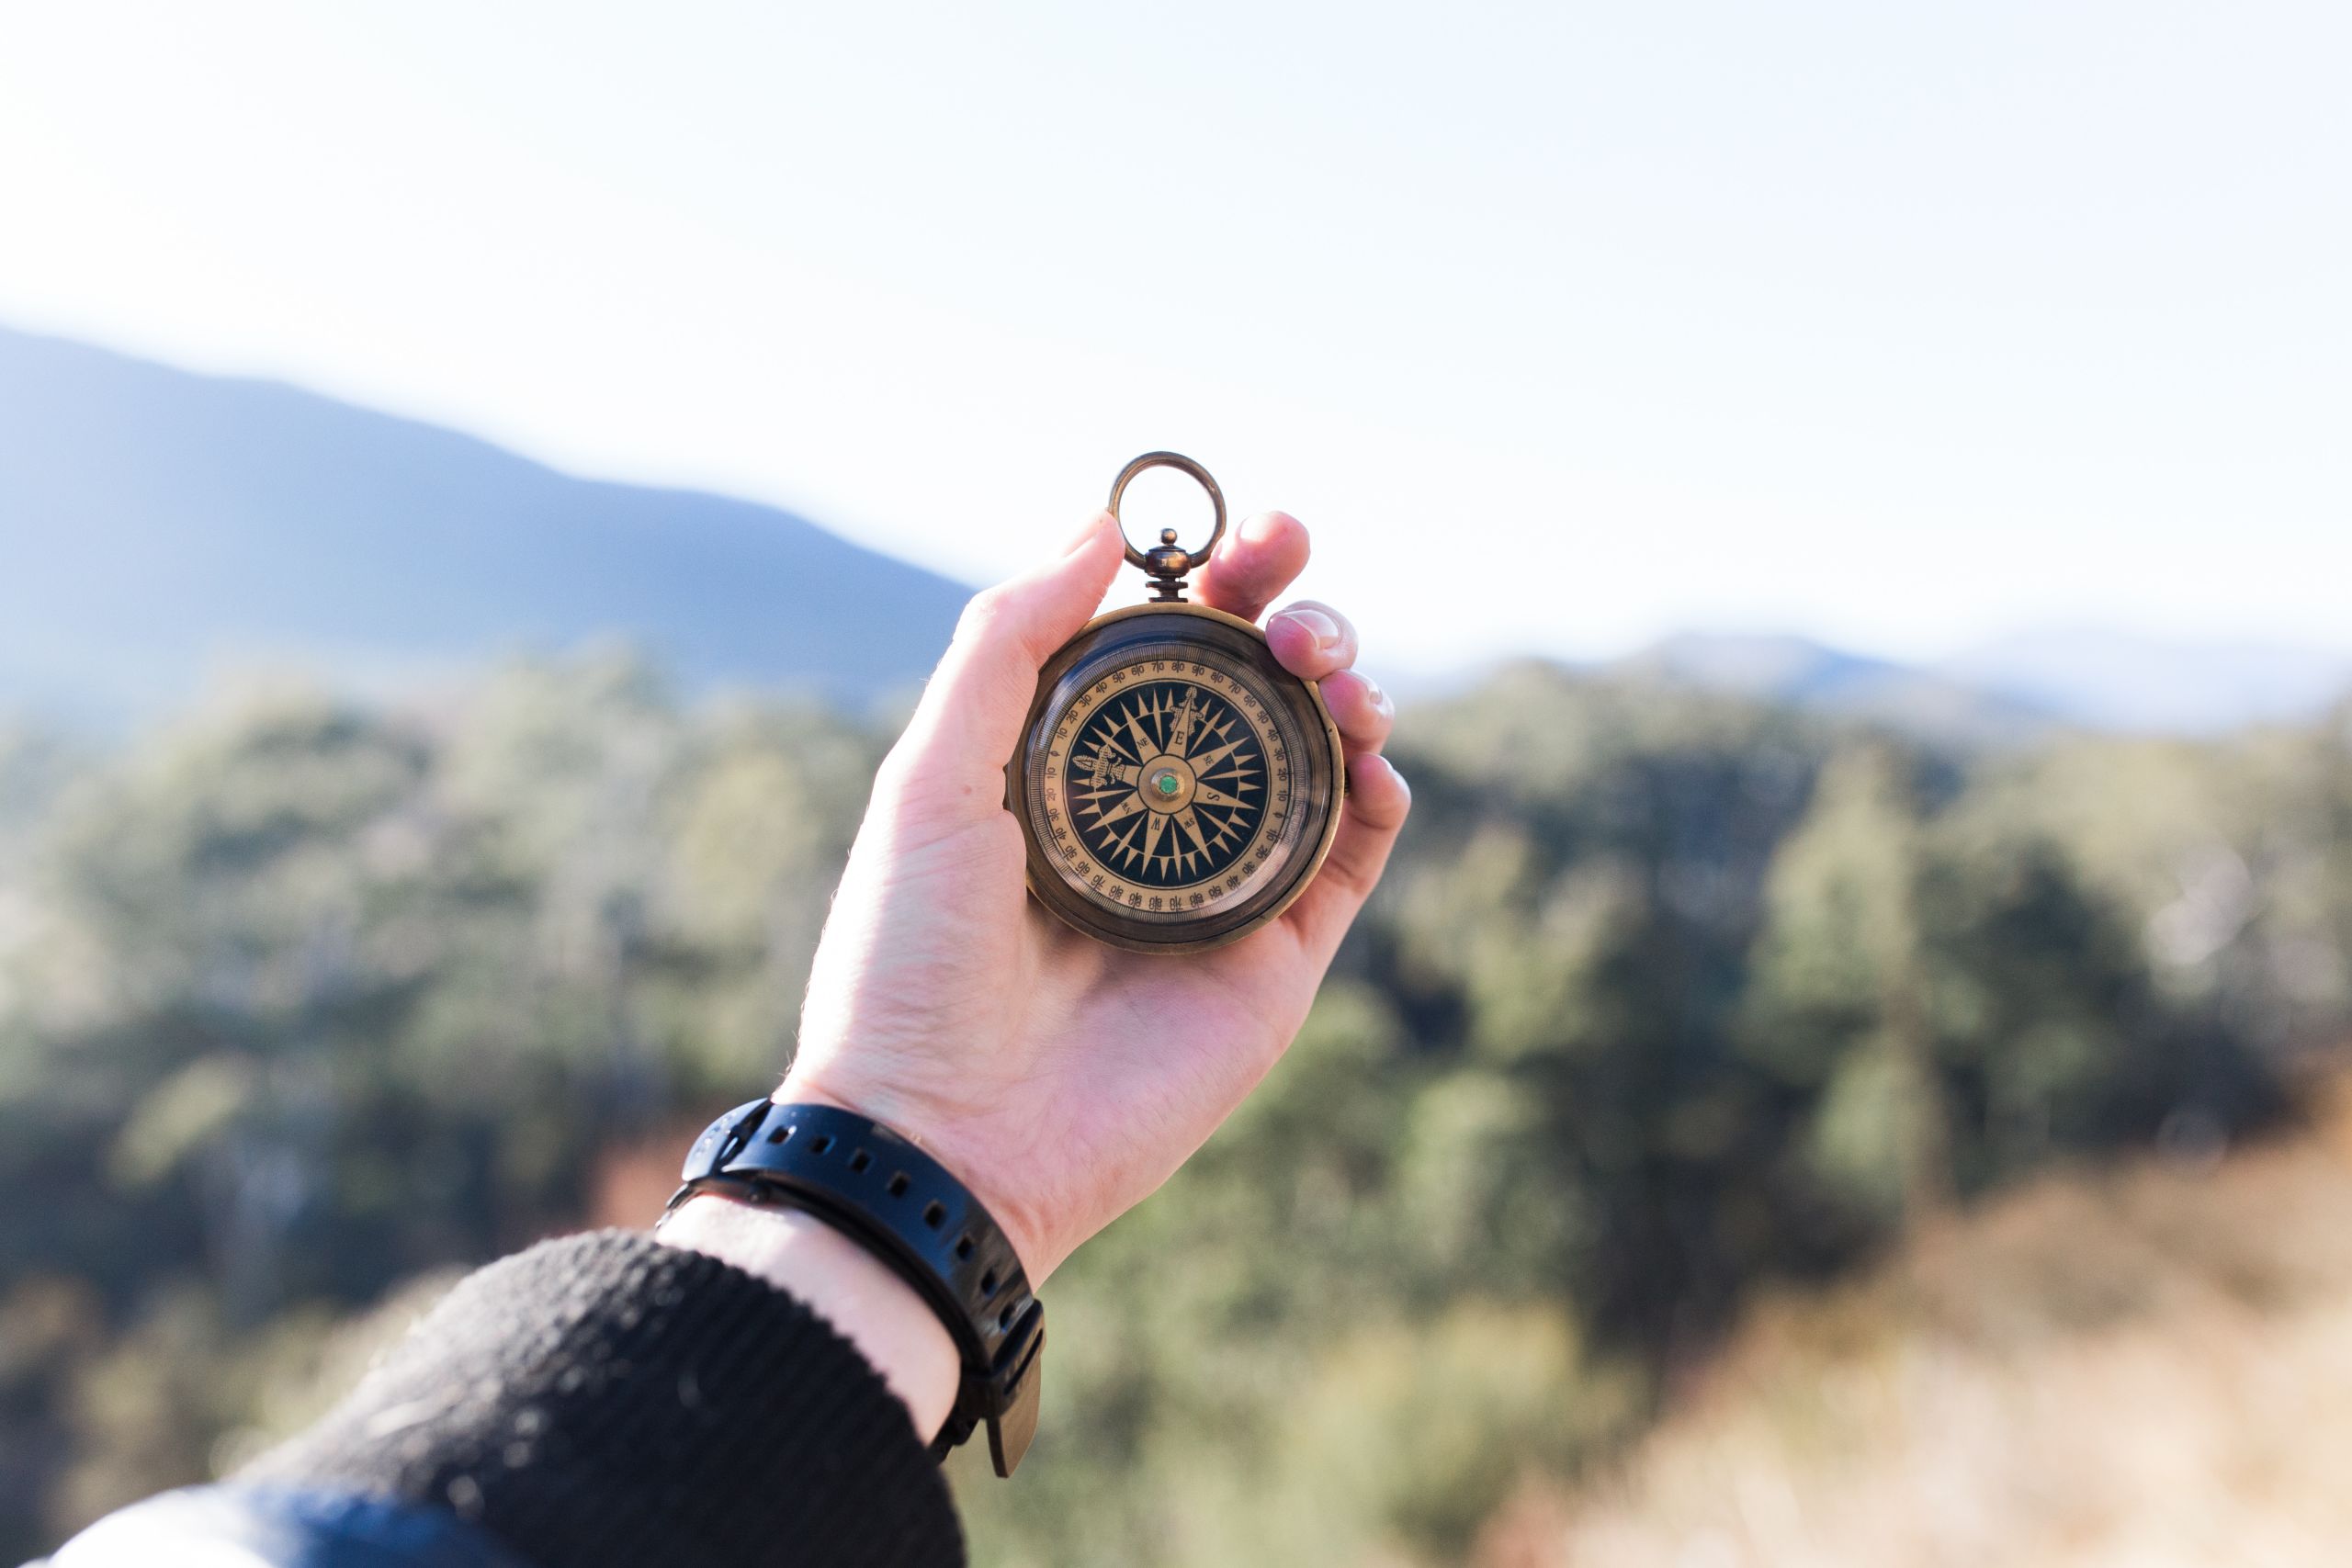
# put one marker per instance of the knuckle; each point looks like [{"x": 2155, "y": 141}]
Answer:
[
  {"x": 891, "y": 778},
  {"x": 983, "y": 612}
]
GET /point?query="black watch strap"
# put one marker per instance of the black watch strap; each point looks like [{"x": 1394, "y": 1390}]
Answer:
[{"x": 905, "y": 1208}]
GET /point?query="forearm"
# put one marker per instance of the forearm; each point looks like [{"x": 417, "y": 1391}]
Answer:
[
  {"x": 607, "y": 1400},
  {"x": 893, "y": 1328}
]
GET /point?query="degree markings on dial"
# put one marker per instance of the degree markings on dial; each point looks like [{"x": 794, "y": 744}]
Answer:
[{"x": 1134, "y": 716}]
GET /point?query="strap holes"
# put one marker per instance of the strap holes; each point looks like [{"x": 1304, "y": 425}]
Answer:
[
  {"x": 1004, "y": 1319},
  {"x": 860, "y": 1160},
  {"x": 899, "y": 1185},
  {"x": 779, "y": 1135},
  {"x": 824, "y": 1141},
  {"x": 987, "y": 1284},
  {"x": 933, "y": 1213},
  {"x": 963, "y": 1247}
]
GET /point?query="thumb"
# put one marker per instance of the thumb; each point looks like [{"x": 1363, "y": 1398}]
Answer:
[{"x": 964, "y": 730}]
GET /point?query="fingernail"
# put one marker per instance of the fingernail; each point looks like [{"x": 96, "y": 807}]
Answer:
[
  {"x": 1260, "y": 525},
  {"x": 1317, "y": 625},
  {"x": 1086, "y": 536},
  {"x": 1372, "y": 689}
]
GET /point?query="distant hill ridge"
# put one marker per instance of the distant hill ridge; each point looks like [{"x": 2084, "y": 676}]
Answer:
[
  {"x": 154, "y": 523},
  {"x": 2016, "y": 687},
  {"x": 1807, "y": 674}
]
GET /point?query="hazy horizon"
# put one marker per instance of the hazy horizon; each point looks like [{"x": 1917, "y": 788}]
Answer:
[
  {"x": 1900, "y": 332},
  {"x": 280, "y": 533}
]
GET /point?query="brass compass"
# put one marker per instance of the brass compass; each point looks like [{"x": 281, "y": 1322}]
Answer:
[{"x": 1177, "y": 786}]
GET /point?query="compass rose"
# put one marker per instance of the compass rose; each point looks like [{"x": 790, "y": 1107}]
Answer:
[{"x": 1168, "y": 784}]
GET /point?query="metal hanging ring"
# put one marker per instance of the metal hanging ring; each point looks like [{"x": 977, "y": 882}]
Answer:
[{"x": 1161, "y": 560}]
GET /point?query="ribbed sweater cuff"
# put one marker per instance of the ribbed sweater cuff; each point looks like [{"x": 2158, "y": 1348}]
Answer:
[{"x": 604, "y": 1400}]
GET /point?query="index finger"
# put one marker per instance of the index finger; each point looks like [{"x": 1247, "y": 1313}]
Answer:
[{"x": 1253, "y": 564}]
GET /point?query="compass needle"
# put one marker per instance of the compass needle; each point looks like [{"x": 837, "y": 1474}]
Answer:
[
  {"x": 1208, "y": 760},
  {"x": 1182, "y": 736},
  {"x": 1125, "y": 844},
  {"x": 1192, "y": 826},
  {"x": 1125, "y": 809},
  {"x": 1144, "y": 747}
]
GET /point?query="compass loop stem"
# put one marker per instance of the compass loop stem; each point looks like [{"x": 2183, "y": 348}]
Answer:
[{"x": 1167, "y": 562}]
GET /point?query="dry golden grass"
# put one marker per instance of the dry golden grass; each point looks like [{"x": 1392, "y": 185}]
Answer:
[{"x": 2138, "y": 1367}]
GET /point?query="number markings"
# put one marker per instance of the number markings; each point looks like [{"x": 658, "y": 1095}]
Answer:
[{"x": 1210, "y": 750}]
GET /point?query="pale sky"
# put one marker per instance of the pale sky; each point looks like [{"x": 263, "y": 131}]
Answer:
[{"x": 1562, "y": 327}]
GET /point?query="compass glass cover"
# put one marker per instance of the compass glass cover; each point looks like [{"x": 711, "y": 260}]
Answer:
[{"x": 1166, "y": 778}]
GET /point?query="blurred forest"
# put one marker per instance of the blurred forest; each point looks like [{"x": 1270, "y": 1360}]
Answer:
[{"x": 1670, "y": 1002}]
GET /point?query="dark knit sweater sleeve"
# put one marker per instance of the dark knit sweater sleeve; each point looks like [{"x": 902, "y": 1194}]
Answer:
[{"x": 605, "y": 1400}]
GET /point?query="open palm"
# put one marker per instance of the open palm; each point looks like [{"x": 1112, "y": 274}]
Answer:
[{"x": 1061, "y": 1079}]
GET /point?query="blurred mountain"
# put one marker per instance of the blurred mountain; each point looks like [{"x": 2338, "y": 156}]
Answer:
[
  {"x": 1802, "y": 673},
  {"x": 155, "y": 523},
  {"x": 2016, "y": 688},
  {"x": 2117, "y": 680}
]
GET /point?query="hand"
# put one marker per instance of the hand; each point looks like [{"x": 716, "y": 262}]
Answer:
[{"x": 1060, "y": 1079}]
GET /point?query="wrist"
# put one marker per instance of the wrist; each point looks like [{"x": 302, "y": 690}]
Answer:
[
  {"x": 901, "y": 1209},
  {"x": 1019, "y": 1221},
  {"x": 866, "y": 1303}
]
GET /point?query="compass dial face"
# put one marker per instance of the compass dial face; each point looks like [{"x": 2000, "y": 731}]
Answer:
[
  {"x": 1167, "y": 786},
  {"x": 1177, "y": 786}
]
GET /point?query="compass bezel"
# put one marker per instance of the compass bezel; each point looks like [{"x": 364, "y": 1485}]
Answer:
[{"x": 1319, "y": 790}]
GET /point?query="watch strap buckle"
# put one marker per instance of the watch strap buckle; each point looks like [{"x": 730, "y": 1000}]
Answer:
[{"x": 1005, "y": 1397}]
